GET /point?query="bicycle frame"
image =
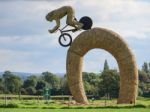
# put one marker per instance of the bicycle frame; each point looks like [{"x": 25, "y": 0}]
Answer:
[{"x": 63, "y": 31}]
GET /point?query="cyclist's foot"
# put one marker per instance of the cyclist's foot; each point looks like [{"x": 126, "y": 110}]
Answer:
[{"x": 80, "y": 26}]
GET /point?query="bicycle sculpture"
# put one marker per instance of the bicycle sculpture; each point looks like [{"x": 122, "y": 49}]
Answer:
[{"x": 65, "y": 38}]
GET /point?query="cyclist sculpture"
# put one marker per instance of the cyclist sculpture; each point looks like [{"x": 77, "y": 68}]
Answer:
[{"x": 84, "y": 23}]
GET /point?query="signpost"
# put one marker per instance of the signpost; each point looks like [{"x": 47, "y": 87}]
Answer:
[{"x": 47, "y": 94}]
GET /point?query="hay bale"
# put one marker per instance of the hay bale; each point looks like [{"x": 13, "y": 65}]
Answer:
[{"x": 114, "y": 44}]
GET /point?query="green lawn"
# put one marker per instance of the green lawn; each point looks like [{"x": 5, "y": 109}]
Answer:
[
  {"x": 57, "y": 104},
  {"x": 142, "y": 105},
  {"x": 74, "y": 110}
]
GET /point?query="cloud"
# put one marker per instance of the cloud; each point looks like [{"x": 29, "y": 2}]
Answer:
[
  {"x": 129, "y": 18},
  {"x": 31, "y": 62},
  {"x": 29, "y": 43},
  {"x": 26, "y": 45},
  {"x": 123, "y": 17},
  {"x": 94, "y": 60}
]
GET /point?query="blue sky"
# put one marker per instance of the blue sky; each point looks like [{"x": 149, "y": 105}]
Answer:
[{"x": 26, "y": 45}]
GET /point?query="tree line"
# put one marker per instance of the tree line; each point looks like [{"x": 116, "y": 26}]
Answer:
[{"x": 97, "y": 85}]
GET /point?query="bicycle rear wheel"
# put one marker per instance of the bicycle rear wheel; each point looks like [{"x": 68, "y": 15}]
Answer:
[
  {"x": 87, "y": 22},
  {"x": 65, "y": 40}
]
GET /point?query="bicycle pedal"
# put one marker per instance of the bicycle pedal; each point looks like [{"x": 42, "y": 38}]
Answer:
[{"x": 74, "y": 30}]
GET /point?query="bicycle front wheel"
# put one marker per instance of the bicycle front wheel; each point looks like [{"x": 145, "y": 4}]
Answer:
[{"x": 65, "y": 40}]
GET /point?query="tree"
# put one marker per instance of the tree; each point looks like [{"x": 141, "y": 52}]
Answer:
[
  {"x": 90, "y": 89},
  {"x": 145, "y": 67},
  {"x": 64, "y": 86},
  {"x": 106, "y": 66},
  {"x": 31, "y": 90},
  {"x": 30, "y": 84},
  {"x": 109, "y": 83},
  {"x": 12, "y": 82},
  {"x": 91, "y": 82},
  {"x": 53, "y": 81},
  {"x": 41, "y": 84},
  {"x": 31, "y": 81},
  {"x": 1, "y": 86},
  {"x": 143, "y": 76},
  {"x": 144, "y": 85}
]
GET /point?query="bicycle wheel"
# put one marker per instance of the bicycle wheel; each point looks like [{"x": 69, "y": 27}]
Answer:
[
  {"x": 65, "y": 40},
  {"x": 87, "y": 22}
]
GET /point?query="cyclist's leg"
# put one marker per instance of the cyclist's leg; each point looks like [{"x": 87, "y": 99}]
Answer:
[{"x": 71, "y": 19}]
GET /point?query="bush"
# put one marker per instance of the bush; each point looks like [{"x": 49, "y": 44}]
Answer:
[
  {"x": 31, "y": 90},
  {"x": 9, "y": 106},
  {"x": 49, "y": 107},
  {"x": 39, "y": 92},
  {"x": 146, "y": 94},
  {"x": 72, "y": 107},
  {"x": 23, "y": 91},
  {"x": 140, "y": 106}
]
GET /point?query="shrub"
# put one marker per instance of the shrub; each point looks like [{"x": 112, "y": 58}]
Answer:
[
  {"x": 49, "y": 108},
  {"x": 31, "y": 90},
  {"x": 9, "y": 106},
  {"x": 140, "y": 106}
]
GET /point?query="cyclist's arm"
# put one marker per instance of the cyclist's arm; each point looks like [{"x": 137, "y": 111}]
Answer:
[{"x": 56, "y": 27}]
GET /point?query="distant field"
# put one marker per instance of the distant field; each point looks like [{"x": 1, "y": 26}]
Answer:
[{"x": 74, "y": 110}]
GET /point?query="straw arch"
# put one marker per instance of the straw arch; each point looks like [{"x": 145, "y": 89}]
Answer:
[{"x": 114, "y": 44}]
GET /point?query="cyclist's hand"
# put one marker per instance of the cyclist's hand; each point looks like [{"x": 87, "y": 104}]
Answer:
[{"x": 51, "y": 31}]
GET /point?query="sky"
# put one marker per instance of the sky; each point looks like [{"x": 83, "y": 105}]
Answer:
[{"x": 26, "y": 45}]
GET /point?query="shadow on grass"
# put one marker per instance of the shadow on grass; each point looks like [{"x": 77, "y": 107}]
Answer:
[
  {"x": 78, "y": 107},
  {"x": 108, "y": 107}
]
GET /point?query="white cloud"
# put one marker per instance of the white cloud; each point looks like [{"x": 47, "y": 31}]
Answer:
[
  {"x": 30, "y": 62},
  {"x": 30, "y": 41},
  {"x": 121, "y": 16},
  {"x": 26, "y": 45},
  {"x": 94, "y": 60}
]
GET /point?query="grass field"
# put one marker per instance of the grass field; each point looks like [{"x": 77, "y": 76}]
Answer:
[
  {"x": 57, "y": 104},
  {"x": 74, "y": 110},
  {"x": 35, "y": 105}
]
